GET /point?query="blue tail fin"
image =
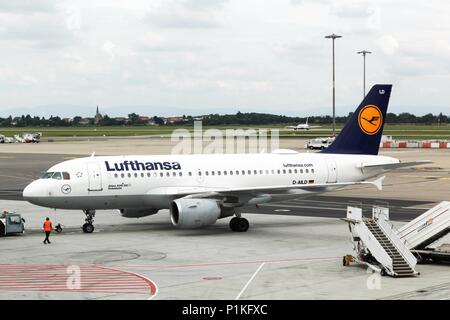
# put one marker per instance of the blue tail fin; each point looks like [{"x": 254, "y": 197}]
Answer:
[{"x": 362, "y": 132}]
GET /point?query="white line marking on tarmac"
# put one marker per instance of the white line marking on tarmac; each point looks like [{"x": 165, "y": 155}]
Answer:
[{"x": 249, "y": 281}]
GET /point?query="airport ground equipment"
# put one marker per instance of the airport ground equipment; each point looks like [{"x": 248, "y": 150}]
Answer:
[
  {"x": 426, "y": 229},
  {"x": 375, "y": 243},
  {"x": 11, "y": 223}
]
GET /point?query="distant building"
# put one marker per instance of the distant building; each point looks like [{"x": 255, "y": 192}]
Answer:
[
  {"x": 84, "y": 121},
  {"x": 98, "y": 117},
  {"x": 173, "y": 119}
]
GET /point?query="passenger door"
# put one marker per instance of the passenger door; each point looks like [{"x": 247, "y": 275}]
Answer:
[
  {"x": 94, "y": 176},
  {"x": 332, "y": 171}
]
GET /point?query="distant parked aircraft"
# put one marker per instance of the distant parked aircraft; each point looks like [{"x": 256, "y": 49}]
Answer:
[{"x": 303, "y": 126}]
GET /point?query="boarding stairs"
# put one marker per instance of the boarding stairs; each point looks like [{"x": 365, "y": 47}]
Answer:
[
  {"x": 428, "y": 227},
  {"x": 400, "y": 265},
  {"x": 376, "y": 243}
]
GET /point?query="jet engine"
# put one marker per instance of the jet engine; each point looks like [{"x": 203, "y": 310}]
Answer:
[
  {"x": 138, "y": 213},
  {"x": 196, "y": 213}
]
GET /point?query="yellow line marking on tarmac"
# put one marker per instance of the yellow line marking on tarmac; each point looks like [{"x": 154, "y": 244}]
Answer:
[{"x": 7, "y": 157}]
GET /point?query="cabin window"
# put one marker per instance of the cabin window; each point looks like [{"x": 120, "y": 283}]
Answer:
[
  {"x": 301, "y": 170},
  {"x": 174, "y": 174},
  {"x": 207, "y": 173},
  {"x": 273, "y": 171},
  {"x": 278, "y": 171},
  {"x": 199, "y": 173},
  {"x": 122, "y": 175},
  {"x": 161, "y": 174},
  {"x": 168, "y": 174},
  {"x": 312, "y": 170},
  {"x": 225, "y": 173},
  {"x": 57, "y": 176},
  {"x": 231, "y": 173},
  {"x": 212, "y": 173},
  {"x": 149, "y": 174},
  {"x": 267, "y": 171},
  {"x": 116, "y": 175},
  {"x": 306, "y": 170},
  {"x": 237, "y": 172},
  {"x": 155, "y": 174},
  {"x": 295, "y": 170},
  {"x": 129, "y": 175},
  {"x": 243, "y": 171},
  {"x": 255, "y": 171},
  {"x": 284, "y": 171},
  {"x": 249, "y": 171},
  {"x": 142, "y": 174},
  {"x": 218, "y": 173},
  {"x": 190, "y": 174},
  {"x": 135, "y": 175},
  {"x": 290, "y": 171}
]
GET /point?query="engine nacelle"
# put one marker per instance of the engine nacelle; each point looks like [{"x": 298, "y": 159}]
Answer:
[
  {"x": 194, "y": 213},
  {"x": 137, "y": 213}
]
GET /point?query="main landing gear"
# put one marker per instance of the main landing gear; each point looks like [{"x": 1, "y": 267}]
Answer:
[
  {"x": 239, "y": 224},
  {"x": 88, "y": 227}
]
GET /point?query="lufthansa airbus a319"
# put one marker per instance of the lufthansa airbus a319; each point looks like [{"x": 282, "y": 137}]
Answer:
[{"x": 199, "y": 189}]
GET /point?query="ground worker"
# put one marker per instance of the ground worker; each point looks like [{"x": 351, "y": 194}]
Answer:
[{"x": 47, "y": 229}]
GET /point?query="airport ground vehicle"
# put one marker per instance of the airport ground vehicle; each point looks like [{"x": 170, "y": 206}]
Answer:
[
  {"x": 11, "y": 223},
  {"x": 319, "y": 143}
]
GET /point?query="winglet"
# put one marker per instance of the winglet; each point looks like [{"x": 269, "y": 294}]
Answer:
[{"x": 378, "y": 183}]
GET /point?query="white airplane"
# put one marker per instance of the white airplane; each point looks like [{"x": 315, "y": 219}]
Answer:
[
  {"x": 200, "y": 189},
  {"x": 303, "y": 126}
]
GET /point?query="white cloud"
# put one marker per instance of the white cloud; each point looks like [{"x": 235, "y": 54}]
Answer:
[{"x": 388, "y": 44}]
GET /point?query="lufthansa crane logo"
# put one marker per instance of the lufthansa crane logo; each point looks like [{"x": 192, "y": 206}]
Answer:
[
  {"x": 66, "y": 189},
  {"x": 370, "y": 119}
]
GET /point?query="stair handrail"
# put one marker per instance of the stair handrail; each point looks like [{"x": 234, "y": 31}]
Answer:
[{"x": 404, "y": 249}]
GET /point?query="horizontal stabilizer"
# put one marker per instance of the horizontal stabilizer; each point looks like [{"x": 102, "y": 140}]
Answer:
[{"x": 391, "y": 166}]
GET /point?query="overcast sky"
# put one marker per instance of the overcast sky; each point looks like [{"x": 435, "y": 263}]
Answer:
[{"x": 203, "y": 56}]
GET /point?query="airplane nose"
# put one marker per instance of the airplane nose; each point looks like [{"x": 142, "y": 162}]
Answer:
[{"x": 32, "y": 191}]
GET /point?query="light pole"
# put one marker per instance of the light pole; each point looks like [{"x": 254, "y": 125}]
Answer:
[
  {"x": 364, "y": 52},
  {"x": 333, "y": 37}
]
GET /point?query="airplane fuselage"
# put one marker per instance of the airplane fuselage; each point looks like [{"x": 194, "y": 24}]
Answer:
[{"x": 116, "y": 182}]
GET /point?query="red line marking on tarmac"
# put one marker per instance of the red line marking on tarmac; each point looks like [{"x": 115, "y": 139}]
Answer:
[{"x": 54, "y": 278}]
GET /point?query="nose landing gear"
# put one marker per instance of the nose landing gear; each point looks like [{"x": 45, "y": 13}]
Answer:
[{"x": 88, "y": 227}]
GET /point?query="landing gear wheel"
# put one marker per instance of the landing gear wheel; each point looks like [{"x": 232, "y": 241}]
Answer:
[
  {"x": 88, "y": 228},
  {"x": 233, "y": 223},
  {"x": 239, "y": 224}
]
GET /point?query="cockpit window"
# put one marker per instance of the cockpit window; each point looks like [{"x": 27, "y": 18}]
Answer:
[
  {"x": 57, "y": 175},
  {"x": 66, "y": 176},
  {"x": 47, "y": 175}
]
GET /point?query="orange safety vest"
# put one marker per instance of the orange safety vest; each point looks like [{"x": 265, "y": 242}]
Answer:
[{"x": 48, "y": 226}]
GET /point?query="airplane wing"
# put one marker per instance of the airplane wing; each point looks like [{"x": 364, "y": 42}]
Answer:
[
  {"x": 206, "y": 192},
  {"x": 391, "y": 166}
]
